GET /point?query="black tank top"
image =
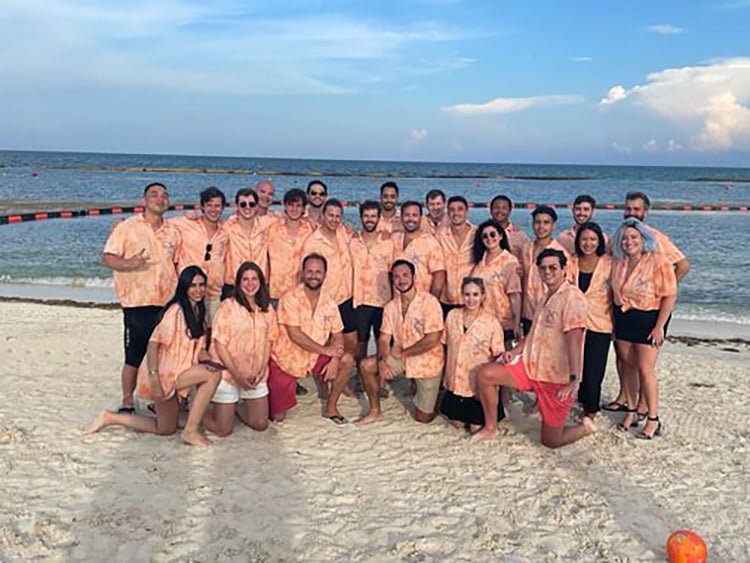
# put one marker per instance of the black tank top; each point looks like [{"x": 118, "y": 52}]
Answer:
[{"x": 584, "y": 281}]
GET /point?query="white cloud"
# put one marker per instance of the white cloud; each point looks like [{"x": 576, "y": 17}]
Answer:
[
  {"x": 615, "y": 94},
  {"x": 511, "y": 105},
  {"x": 712, "y": 100},
  {"x": 650, "y": 146},
  {"x": 582, "y": 59},
  {"x": 665, "y": 29},
  {"x": 418, "y": 134},
  {"x": 673, "y": 146},
  {"x": 216, "y": 47}
]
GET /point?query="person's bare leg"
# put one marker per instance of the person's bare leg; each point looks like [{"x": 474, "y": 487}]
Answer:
[
  {"x": 489, "y": 376},
  {"x": 254, "y": 413},
  {"x": 351, "y": 345},
  {"x": 219, "y": 419},
  {"x": 324, "y": 390},
  {"x": 505, "y": 401},
  {"x": 555, "y": 437},
  {"x": 206, "y": 381},
  {"x": 128, "y": 378},
  {"x": 424, "y": 417},
  {"x": 368, "y": 370},
  {"x": 628, "y": 359},
  {"x": 339, "y": 384},
  {"x": 165, "y": 422},
  {"x": 647, "y": 356}
]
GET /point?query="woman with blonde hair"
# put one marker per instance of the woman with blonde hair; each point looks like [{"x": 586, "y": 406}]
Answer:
[{"x": 644, "y": 291}]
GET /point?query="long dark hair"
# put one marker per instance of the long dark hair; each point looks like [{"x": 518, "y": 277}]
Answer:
[
  {"x": 262, "y": 296},
  {"x": 601, "y": 246},
  {"x": 478, "y": 249},
  {"x": 195, "y": 320}
]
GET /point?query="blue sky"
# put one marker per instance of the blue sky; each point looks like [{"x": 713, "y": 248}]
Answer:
[{"x": 638, "y": 82}]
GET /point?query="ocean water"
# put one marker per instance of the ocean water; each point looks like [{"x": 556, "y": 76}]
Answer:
[{"x": 65, "y": 254}]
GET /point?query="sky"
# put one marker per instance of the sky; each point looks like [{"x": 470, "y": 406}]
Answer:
[{"x": 579, "y": 82}]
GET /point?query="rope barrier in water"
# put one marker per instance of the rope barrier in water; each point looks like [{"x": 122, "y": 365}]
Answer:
[{"x": 122, "y": 210}]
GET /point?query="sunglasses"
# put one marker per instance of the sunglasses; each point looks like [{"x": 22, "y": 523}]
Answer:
[
  {"x": 488, "y": 235},
  {"x": 249, "y": 204},
  {"x": 209, "y": 248},
  {"x": 314, "y": 193}
]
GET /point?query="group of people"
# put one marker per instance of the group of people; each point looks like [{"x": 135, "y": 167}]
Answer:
[{"x": 227, "y": 316}]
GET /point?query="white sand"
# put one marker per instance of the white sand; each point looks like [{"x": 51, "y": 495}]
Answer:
[{"x": 305, "y": 490}]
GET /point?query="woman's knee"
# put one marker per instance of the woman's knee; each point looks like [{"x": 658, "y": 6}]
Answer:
[{"x": 258, "y": 424}]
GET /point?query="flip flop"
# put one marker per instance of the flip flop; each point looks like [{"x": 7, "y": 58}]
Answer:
[
  {"x": 126, "y": 410},
  {"x": 337, "y": 419},
  {"x": 614, "y": 406}
]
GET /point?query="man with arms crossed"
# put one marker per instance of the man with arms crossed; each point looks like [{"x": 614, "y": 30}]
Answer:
[
  {"x": 204, "y": 244},
  {"x": 414, "y": 320},
  {"x": 142, "y": 252},
  {"x": 550, "y": 360},
  {"x": 310, "y": 343},
  {"x": 421, "y": 249},
  {"x": 501, "y": 207}
]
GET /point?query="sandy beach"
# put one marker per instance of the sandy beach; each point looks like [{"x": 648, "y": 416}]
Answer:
[{"x": 395, "y": 491}]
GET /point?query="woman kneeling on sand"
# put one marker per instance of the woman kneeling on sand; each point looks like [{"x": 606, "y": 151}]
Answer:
[
  {"x": 473, "y": 337},
  {"x": 172, "y": 367},
  {"x": 241, "y": 336}
]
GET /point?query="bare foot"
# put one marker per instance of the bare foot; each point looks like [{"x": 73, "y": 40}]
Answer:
[
  {"x": 369, "y": 418},
  {"x": 194, "y": 438},
  {"x": 484, "y": 434},
  {"x": 458, "y": 425},
  {"x": 588, "y": 424},
  {"x": 102, "y": 421}
]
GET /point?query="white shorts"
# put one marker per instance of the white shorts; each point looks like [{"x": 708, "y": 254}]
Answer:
[{"x": 227, "y": 393}]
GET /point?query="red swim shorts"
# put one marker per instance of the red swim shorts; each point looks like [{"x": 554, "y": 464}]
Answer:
[
  {"x": 553, "y": 410},
  {"x": 282, "y": 387}
]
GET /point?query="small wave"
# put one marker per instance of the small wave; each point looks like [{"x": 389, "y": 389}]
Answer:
[
  {"x": 59, "y": 281},
  {"x": 713, "y": 316}
]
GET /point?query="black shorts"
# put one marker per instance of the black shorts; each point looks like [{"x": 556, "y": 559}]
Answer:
[
  {"x": 346, "y": 310},
  {"x": 526, "y": 326},
  {"x": 368, "y": 319},
  {"x": 140, "y": 322},
  {"x": 634, "y": 325},
  {"x": 508, "y": 336},
  {"x": 466, "y": 409}
]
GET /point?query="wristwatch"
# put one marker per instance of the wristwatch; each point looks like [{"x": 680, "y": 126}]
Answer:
[{"x": 573, "y": 377}]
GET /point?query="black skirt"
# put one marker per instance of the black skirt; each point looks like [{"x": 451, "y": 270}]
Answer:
[
  {"x": 634, "y": 325},
  {"x": 466, "y": 409}
]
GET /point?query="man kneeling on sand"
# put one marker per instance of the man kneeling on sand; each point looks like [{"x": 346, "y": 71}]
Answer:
[
  {"x": 413, "y": 320},
  {"x": 311, "y": 342},
  {"x": 550, "y": 362}
]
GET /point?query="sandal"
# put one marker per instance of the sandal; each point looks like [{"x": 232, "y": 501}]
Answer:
[
  {"x": 337, "y": 419},
  {"x": 126, "y": 410},
  {"x": 642, "y": 434},
  {"x": 614, "y": 406}
]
